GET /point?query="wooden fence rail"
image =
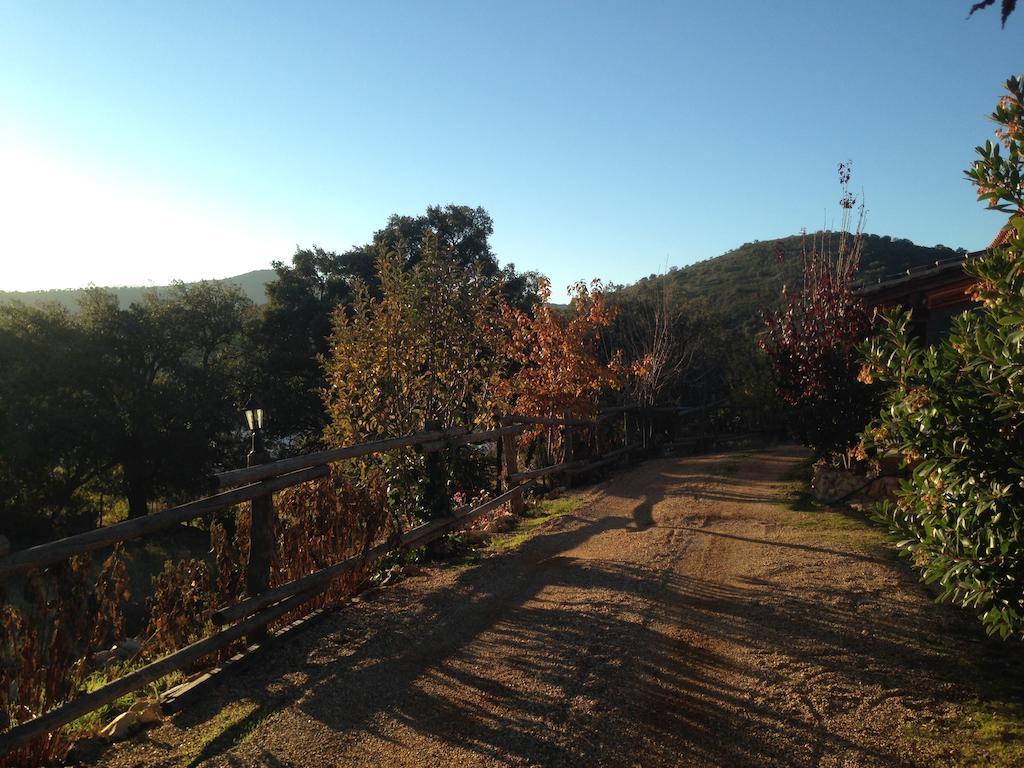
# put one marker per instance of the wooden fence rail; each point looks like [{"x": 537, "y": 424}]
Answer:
[
  {"x": 250, "y": 615},
  {"x": 264, "y": 608},
  {"x": 279, "y": 467},
  {"x": 45, "y": 554},
  {"x": 418, "y": 536}
]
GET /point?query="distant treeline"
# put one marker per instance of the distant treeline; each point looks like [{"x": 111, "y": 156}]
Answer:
[
  {"x": 252, "y": 284},
  {"x": 129, "y": 398},
  {"x": 125, "y": 403}
]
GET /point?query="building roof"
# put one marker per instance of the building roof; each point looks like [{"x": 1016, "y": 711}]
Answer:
[
  {"x": 921, "y": 278},
  {"x": 927, "y": 277}
]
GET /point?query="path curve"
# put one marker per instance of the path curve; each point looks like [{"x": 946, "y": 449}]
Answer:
[{"x": 684, "y": 615}]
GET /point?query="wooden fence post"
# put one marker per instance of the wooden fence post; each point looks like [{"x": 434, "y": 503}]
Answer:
[
  {"x": 262, "y": 538},
  {"x": 499, "y": 448},
  {"x": 569, "y": 447},
  {"x": 438, "y": 498},
  {"x": 510, "y": 460}
]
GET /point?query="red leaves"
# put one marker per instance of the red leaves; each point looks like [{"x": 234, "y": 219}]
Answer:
[
  {"x": 554, "y": 361},
  {"x": 812, "y": 341}
]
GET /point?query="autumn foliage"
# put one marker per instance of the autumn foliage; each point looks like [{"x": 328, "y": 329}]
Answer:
[
  {"x": 812, "y": 341},
  {"x": 435, "y": 345},
  {"x": 554, "y": 364}
]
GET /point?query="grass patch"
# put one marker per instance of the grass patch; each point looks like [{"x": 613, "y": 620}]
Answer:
[
  {"x": 828, "y": 519},
  {"x": 989, "y": 734},
  {"x": 93, "y": 721},
  {"x": 838, "y": 524},
  {"x": 531, "y": 519},
  {"x": 232, "y": 725}
]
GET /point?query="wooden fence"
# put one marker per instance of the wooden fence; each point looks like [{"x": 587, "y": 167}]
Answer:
[{"x": 256, "y": 484}]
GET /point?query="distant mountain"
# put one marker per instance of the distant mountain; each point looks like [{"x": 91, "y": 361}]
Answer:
[
  {"x": 735, "y": 286},
  {"x": 739, "y": 284},
  {"x": 253, "y": 284}
]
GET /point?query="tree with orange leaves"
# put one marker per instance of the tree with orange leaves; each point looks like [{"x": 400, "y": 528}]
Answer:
[{"x": 554, "y": 361}]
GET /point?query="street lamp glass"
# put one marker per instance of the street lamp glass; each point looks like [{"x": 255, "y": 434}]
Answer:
[{"x": 253, "y": 414}]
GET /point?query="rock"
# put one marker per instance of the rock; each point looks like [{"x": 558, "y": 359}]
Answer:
[
  {"x": 142, "y": 713},
  {"x": 502, "y": 524},
  {"x": 477, "y": 538},
  {"x": 832, "y": 485},
  {"x": 128, "y": 647},
  {"x": 121, "y": 727},
  {"x": 147, "y": 711},
  {"x": 393, "y": 575},
  {"x": 883, "y": 488}
]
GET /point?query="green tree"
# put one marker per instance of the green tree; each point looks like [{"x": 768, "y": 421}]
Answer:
[
  {"x": 292, "y": 336},
  {"x": 420, "y": 354},
  {"x": 164, "y": 380},
  {"x": 52, "y": 443},
  {"x": 954, "y": 412},
  {"x": 144, "y": 397}
]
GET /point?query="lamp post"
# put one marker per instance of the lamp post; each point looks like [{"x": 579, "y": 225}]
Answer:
[{"x": 263, "y": 520}]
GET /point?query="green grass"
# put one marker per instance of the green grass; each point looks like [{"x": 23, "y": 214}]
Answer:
[
  {"x": 93, "y": 721},
  {"x": 531, "y": 519},
  {"x": 232, "y": 725},
  {"x": 835, "y": 524},
  {"x": 979, "y": 734}
]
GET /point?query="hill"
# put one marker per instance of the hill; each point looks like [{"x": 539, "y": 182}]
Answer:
[
  {"x": 735, "y": 286},
  {"x": 739, "y": 284},
  {"x": 253, "y": 284}
]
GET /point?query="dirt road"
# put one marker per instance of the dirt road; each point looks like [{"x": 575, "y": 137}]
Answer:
[{"x": 684, "y": 615}]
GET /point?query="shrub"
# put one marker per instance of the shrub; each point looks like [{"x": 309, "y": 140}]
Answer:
[
  {"x": 422, "y": 354},
  {"x": 812, "y": 342},
  {"x": 955, "y": 413},
  {"x": 553, "y": 362},
  {"x": 46, "y": 645}
]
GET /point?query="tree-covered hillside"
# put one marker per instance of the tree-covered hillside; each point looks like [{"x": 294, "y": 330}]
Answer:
[
  {"x": 253, "y": 285},
  {"x": 739, "y": 284},
  {"x": 709, "y": 315}
]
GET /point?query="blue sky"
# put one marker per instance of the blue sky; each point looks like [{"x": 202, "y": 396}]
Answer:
[{"x": 141, "y": 142}]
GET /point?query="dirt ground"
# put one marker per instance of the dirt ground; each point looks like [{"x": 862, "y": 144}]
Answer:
[{"x": 686, "y": 614}]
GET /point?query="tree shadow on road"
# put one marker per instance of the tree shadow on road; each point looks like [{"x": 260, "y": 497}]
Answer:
[{"x": 547, "y": 657}]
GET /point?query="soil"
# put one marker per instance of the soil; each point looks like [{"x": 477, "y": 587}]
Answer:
[{"x": 687, "y": 613}]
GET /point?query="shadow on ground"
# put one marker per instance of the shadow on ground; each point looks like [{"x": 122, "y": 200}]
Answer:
[{"x": 625, "y": 667}]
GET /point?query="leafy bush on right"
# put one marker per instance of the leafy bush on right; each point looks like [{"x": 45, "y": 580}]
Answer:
[{"x": 955, "y": 412}]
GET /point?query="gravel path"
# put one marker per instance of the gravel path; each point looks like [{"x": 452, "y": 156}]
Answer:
[{"x": 684, "y": 615}]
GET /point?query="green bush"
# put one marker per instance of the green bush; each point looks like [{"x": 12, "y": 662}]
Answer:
[{"x": 955, "y": 412}]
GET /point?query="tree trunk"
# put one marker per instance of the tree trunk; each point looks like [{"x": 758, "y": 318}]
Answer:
[{"x": 136, "y": 489}]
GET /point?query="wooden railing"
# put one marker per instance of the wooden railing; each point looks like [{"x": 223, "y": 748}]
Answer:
[{"x": 257, "y": 484}]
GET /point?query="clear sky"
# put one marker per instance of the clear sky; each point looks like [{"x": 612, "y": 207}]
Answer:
[{"x": 142, "y": 142}]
